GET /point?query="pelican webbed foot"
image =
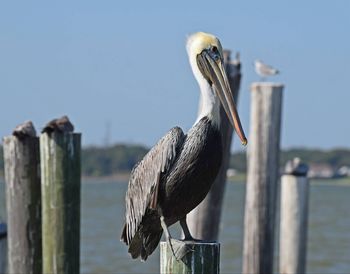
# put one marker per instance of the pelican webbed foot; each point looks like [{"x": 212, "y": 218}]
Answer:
[{"x": 178, "y": 248}]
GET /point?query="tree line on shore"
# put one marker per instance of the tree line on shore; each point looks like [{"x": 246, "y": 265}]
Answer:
[{"x": 120, "y": 158}]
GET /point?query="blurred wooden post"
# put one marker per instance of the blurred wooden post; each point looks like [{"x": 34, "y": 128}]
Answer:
[
  {"x": 293, "y": 224},
  {"x": 3, "y": 247},
  {"x": 23, "y": 203},
  {"x": 204, "y": 220},
  {"x": 262, "y": 177},
  {"x": 204, "y": 259},
  {"x": 60, "y": 172}
]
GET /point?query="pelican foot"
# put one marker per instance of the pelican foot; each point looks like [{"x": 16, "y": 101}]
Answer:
[{"x": 179, "y": 248}]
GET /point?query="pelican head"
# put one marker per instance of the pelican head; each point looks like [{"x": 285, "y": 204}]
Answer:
[{"x": 206, "y": 58}]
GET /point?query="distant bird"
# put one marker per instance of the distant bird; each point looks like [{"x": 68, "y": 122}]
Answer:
[
  {"x": 264, "y": 70},
  {"x": 24, "y": 130},
  {"x": 178, "y": 172},
  {"x": 60, "y": 125},
  {"x": 296, "y": 167}
]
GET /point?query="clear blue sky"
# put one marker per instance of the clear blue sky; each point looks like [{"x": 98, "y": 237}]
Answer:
[{"x": 124, "y": 63}]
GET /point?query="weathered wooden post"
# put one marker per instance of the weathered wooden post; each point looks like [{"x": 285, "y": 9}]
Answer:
[
  {"x": 204, "y": 220},
  {"x": 294, "y": 220},
  {"x": 205, "y": 258},
  {"x": 23, "y": 202},
  {"x": 262, "y": 177},
  {"x": 3, "y": 247},
  {"x": 60, "y": 172}
]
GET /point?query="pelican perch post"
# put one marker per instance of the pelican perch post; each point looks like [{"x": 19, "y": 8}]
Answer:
[{"x": 177, "y": 173}]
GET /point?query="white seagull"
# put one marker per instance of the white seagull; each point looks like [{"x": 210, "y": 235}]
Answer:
[{"x": 264, "y": 70}]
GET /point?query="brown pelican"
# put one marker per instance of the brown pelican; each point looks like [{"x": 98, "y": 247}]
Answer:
[{"x": 177, "y": 173}]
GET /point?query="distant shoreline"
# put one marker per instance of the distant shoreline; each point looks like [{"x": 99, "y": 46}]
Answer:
[
  {"x": 120, "y": 177},
  {"x": 239, "y": 178},
  {"x": 123, "y": 177}
]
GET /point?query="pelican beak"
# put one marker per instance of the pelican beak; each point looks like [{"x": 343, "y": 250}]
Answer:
[{"x": 212, "y": 67}]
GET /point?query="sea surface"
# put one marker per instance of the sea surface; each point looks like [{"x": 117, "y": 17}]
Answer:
[{"x": 103, "y": 215}]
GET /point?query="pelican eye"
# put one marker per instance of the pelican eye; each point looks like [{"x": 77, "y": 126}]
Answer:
[{"x": 215, "y": 54}]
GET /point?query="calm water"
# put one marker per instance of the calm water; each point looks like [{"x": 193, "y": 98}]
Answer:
[{"x": 102, "y": 216}]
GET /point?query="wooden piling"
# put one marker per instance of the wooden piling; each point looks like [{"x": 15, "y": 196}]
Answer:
[
  {"x": 293, "y": 224},
  {"x": 23, "y": 203},
  {"x": 262, "y": 177},
  {"x": 204, "y": 220},
  {"x": 3, "y": 247},
  {"x": 60, "y": 172},
  {"x": 205, "y": 258}
]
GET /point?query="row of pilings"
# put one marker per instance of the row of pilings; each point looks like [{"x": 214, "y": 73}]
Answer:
[{"x": 43, "y": 185}]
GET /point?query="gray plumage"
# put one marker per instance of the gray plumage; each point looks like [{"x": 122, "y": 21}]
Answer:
[
  {"x": 144, "y": 180},
  {"x": 264, "y": 70},
  {"x": 24, "y": 130},
  {"x": 171, "y": 180},
  {"x": 59, "y": 125}
]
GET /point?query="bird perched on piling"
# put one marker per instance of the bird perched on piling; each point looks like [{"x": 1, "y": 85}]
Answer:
[
  {"x": 296, "y": 167},
  {"x": 177, "y": 173},
  {"x": 264, "y": 70},
  {"x": 24, "y": 130},
  {"x": 62, "y": 124}
]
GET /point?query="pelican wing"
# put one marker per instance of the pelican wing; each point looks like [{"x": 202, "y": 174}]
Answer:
[{"x": 142, "y": 191}]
